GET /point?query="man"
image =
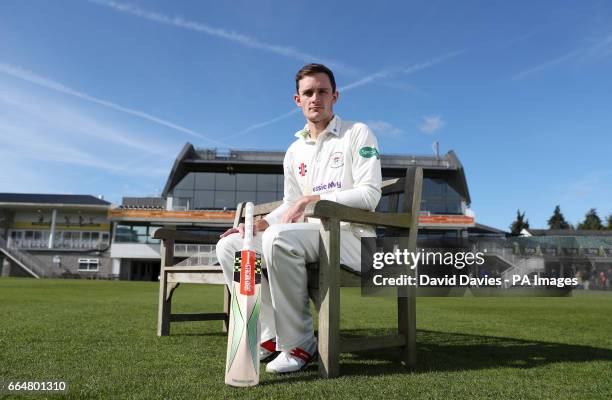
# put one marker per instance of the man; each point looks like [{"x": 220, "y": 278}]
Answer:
[{"x": 330, "y": 160}]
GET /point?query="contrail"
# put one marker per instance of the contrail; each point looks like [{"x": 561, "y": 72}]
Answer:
[
  {"x": 236, "y": 37},
  {"x": 28, "y": 76},
  {"x": 360, "y": 82}
]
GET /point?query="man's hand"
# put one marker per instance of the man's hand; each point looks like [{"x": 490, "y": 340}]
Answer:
[
  {"x": 258, "y": 226},
  {"x": 295, "y": 213}
]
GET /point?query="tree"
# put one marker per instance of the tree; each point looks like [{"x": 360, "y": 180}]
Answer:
[
  {"x": 591, "y": 221},
  {"x": 519, "y": 224},
  {"x": 557, "y": 221},
  {"x": 609, "y": 222}
]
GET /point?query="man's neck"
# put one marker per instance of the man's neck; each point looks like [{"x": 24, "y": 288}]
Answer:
[{"x": 315, "y": 128}]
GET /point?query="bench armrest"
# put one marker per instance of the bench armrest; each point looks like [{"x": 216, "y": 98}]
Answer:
[{"x": 331, "y": 209}]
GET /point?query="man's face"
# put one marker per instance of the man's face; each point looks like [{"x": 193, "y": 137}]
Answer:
[{"x": 316, "y": 98}]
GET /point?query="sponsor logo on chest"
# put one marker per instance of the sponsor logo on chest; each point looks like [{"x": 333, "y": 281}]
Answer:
[{"x": 326, "y": 186}]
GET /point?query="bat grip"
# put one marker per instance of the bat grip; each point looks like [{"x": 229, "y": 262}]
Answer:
[{"x": 248, "y": 226}]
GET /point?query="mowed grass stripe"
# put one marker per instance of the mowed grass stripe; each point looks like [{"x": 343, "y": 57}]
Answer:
[{"x": 100, "y": 337}]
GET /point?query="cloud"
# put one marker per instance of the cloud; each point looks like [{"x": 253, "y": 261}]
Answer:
[
  {"x": 431, "y": 124},
  {"x": 601, "y": 48},
  {"x": 264, "y": 123},
  {"x": 76, "y": 123},
  {"x": 49, "y": 147},
  {"x": 28, "y": 76},
  {"x": 547, "y": 64},
  {"x": 388, "y": 73},
  {"x": 428, "y": 64},
  {"x": 385, "y": 129},
  {"x": 365, "y": 80},
  {"x": 232, "y": 36}
]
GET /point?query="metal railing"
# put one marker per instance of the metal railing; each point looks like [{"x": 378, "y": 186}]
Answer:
[
  {"x": 519, "y": 264},
  {"x": 198, "y": 254},
  {"x": 27, "y": 261},
  {"x": 60, "y": 244}
]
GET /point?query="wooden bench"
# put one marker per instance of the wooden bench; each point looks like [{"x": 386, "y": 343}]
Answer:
[{"x": 402, "y": 196}]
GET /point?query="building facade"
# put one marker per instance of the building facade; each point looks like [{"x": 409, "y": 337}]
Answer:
[
  {"x": 205, "y": 185},
  {"x": 47, "y": 235}
]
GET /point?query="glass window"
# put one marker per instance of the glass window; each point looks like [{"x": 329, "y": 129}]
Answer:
[
  {"x": 225, "y": 182},
  {"x": 246, "y": 182},
  {"x": 183, "y": 193},
  {"x": 280, "y": 183},
  {"x": 183, "y": 202},
  {"x": 265, "y": 197},
  {"x": 225, "y": 198},
  {"x": 433, "y": 187},
  {"x": 85, "y": 235},
  {"x": 186, "y": 183},
  {"x": 266, "y": 183},
  {"x": 88, "y": 264},
  {"x": 204, "y": 199},
  {"x": 204, "y": 180},
  {"x": 245, "y": 196},
  {"x": 152, "y": 229},
  {"x": 140, "y": 230},
  {"x": 124, "y": 234}
]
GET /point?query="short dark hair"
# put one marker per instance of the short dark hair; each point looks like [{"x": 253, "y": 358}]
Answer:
[{"x": 312, "y": 69}]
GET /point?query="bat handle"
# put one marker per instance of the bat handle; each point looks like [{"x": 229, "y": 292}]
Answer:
[{"x": 248, "y": 226}]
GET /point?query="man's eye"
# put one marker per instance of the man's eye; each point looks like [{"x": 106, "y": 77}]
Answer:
[{"x": 307, "y": 93}]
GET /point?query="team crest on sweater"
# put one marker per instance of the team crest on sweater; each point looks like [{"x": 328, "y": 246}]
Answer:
[{"x": 336, "y": 160}]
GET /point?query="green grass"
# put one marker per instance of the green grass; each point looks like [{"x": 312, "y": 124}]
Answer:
[{"x": 99, "y": 336}]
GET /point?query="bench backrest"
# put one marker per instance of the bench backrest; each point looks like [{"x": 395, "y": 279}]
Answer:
[{"x": 398, "y": 195}]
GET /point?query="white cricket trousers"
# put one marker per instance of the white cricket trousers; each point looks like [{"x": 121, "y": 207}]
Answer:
[{"x": 286, "y": 248}]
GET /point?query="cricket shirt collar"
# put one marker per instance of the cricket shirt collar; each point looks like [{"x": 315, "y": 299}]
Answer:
[{"x": 333, "y": 127}]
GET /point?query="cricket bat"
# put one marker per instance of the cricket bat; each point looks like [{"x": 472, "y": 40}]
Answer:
[{"x": 242, "y": 362}]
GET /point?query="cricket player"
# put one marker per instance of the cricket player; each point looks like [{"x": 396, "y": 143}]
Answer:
[{"x": 330, "y": 159}]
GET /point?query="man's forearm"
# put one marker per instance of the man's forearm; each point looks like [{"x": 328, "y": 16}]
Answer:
[{"x": 309, "y": 199}]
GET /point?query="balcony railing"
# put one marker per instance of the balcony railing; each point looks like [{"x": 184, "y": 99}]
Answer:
[
  {"x": 198, "y": 254},
  {"x": 37, "y": 244}
]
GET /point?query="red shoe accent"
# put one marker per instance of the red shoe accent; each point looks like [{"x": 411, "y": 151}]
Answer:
[
  {"x": 299, "y": 353},
  {"x": 269, "y": 345}
]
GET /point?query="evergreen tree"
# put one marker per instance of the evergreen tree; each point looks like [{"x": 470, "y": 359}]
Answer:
[
  {"x": 609, "y": 222},
  {"x": 519, "y": 224},
  {"x": 557, "y": 221},
  {"x": 591, "y": 221}
]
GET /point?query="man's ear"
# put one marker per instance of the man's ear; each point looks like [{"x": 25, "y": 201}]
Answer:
[
  {"x": 297, "y": 100},
  {"x": 335, "y": 97}
]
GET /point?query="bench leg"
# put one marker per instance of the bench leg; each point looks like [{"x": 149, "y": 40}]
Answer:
[
  {"x": 165, "y": 306},
  {"x": 406, "y": 326},
  {"x": 226, "y": 307},
  {"x": 165, "y": 292},
  {"x": 329, "y": 289}
]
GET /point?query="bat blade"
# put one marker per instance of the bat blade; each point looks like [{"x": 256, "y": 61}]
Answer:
[{"x": 242, "y": 362}]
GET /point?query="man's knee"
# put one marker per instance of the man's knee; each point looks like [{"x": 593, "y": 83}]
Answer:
[
  {"x": 268, "y": 236},
  {"x": 228, "y": 245}
]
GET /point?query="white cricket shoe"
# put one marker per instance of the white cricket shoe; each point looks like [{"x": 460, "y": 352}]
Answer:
[{"x": 293, "y": 361}]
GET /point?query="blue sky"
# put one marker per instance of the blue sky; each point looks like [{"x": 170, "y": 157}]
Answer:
[{"x": 98, "y": 97}]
